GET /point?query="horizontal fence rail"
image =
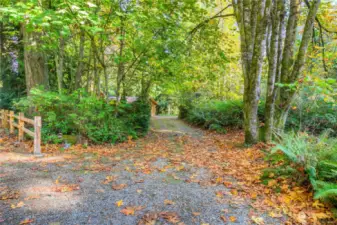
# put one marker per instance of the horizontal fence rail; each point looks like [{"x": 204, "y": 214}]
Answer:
[{"x": 11, "y": 121}]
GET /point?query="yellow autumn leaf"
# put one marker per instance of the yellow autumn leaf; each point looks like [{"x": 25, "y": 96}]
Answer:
[
  {"x": 258, "y": 220},
  {"x": 119, "y": 203}
]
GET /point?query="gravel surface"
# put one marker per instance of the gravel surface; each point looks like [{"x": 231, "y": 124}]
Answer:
[{"x": 34, "y": 182}]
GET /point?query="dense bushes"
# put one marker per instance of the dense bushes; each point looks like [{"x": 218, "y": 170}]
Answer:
[
  {"x": 82, "y": 114},
  {"x": 214, "y": 115},
  {"x": 318, "y": 157},
  {"x": 303, "y": 116}
]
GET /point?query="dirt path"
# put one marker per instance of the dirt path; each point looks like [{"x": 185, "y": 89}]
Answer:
[
  {"x": 171, "y": 124},
  {"x": 180, "y": 177}
]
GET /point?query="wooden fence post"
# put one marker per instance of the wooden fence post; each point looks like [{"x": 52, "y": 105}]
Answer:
[
  {"x": 2, "y": 118},
  {"x": 11, "y": 121},
  {"x": 21, "y": 126},
  {"x": 37, "y": 135},
  {"x": 5, "y": 118}
]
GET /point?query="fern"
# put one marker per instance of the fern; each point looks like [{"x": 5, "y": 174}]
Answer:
[{"x": 325, "y": 190}]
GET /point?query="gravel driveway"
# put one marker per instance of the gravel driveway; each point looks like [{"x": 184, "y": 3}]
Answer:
[{"x": 141, "y": 182}]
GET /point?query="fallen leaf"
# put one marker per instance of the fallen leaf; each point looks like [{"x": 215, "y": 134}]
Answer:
[
  {"x": 196, "y": 213},
  {"x": 232, "y": 218},
  {"x": 67, "y": 188},
  {"x": 253, "y": 195},
  {"x": 171, "y": 217},
  {"x": 9, "y": 194},
  {"x": 168, "y": 202},
  {"x": 275, "y": 215},
  {"x": 119, "y": 203},
  {"x": 119, "y": 186},
  {"x": 57, "y": 181},
  {"x": 258, "y": 220},
  {"x": 139, "y": 191},
  {"x": 227, "y": 184},
  {"x": 19, "y": 205},
  {"x": 272, "y": 183},
  {"x": 234, "y": 192},
  {"x": 32, "y": 197},
  {"x": 27, "y": 221},
  {"x": 109, "y": 179},
  {"x": 128, "y": 211},
  {"x": 223, "y": 218},
  {"x": 148, "y": 219}
]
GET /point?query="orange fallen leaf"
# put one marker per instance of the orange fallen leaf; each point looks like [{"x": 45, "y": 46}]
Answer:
[
  {"x": 171, "y": 217},
  {"x": 232, "y": 218},
  {"x": 253, "y": 195},
  {"x": 67, "y": 188},
  {"x": 227, "y": 184},
  {"x": 27, "y": 221},
  {"x": 119, "y": 186},
  {"x": 128, "y": 211},
  {"x": 32, "y": 197},
  {"x": 223, "y": 218},
  {"x": 168, "y": 202},
  {"x": 148, "y": 219},
  {"x": 196, "y": 213},
  {"x": 272, "y": 183}
]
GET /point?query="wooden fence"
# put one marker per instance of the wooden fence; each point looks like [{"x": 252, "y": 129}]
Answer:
[{"x": 12, "y": 121}]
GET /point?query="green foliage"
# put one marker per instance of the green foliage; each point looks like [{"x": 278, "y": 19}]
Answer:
[
  {"x": 214, "y": 115},
  {"x": 317, "y": 155},
  {"x": 82, "y": 114},
  {"x": 314, "y": 110}
]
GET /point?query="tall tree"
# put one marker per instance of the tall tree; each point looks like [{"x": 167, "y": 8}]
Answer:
[{"x": 253, "y": 18}]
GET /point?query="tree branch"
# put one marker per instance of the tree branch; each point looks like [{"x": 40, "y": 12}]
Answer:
[{"x": 217, "y": 15}]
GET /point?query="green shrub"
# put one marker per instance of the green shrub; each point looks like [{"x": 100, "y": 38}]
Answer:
[
  {"x": 312, "y": 119},
  {"x": 317, "y": 155},
  {"x": 215, "y": 114},
  {"x": 82, "y": 114}
]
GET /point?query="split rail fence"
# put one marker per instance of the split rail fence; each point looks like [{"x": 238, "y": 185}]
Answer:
[{"x": 11, "y": 121}]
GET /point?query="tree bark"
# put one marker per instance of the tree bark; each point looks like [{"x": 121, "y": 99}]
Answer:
[
  {"x": 59, "y": 61},
  {"x": 276, "y": 30},
  {"x": 121, "y": 65},
  {"x": 252, "y": 18},
  {"x": 2, "y": 44},
  {"x": 79, "y": 70},
  {"x": 34, "y": 60},
  {"x": 291, "y": 71}
]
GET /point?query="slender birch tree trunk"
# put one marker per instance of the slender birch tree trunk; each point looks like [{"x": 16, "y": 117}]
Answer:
[
  {"x": 59, "y": 61},
  {"x": 79, "y": 70}
]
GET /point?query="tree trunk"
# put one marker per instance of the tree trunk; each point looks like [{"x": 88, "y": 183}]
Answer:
[
  {"x": 253, "y": 22},
  {"x": 121, "y": 66},
  {"x": 2, "y": 43},
  {"x": 276, "y": 38},
  {"x": 291, "y": 71},
  {"x": 34, "y": 60},
  {"x": 79, "y": 69},
  {"x": 59, "y": 61}
]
